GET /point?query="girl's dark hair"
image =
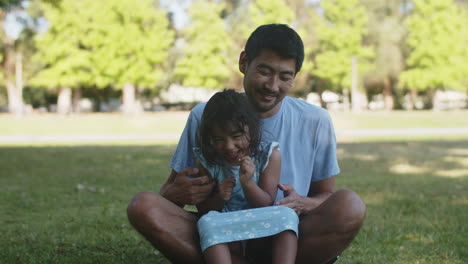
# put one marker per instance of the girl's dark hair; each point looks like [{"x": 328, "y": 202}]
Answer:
[{"x": 224, "y": 109}]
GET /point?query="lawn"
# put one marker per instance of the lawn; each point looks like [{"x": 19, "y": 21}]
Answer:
[
  {"x": 65, "y": 203},
  {"x": 173, "y": 122},
  {"x": 159, "y": 122}
]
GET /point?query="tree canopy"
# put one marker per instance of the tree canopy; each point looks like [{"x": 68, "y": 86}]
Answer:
[
  {"x": 108, "y": 42},
  {"x": 438, "y": 39},
  {"x": 340, "y": 33},
  {"x": 134, "y": 46},
  {"x": 206, "y": 45}
]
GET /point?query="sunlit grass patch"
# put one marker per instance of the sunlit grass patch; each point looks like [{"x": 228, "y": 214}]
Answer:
[
  {"x": 453, "y": 173},
  {"x": 414, "y": 214}
]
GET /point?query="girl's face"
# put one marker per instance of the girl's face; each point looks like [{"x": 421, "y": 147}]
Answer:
[{"x": 231, "y": 143}]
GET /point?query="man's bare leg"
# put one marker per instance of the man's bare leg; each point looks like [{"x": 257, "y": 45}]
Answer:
[
  {"x": 284, "y": 247},
  {"x": 329, "y": 229},
  {"x": 323, "y": 233},
  {"x": 169, "y": 228}
]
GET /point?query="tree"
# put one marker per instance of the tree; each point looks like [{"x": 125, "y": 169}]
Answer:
[
  {"x": 136, "y": 36},
  {"x": 15, "y": 50},
  {"x": 386, "y": 34},
  {"x": 438, "y": 39},
  {"x": 61, "y": 51},
  {"x": 8, "y": 60},
  {"x": 341, "y": 32},
  {"x": 204, "y": 63},
  {"x": 270, "y": 11},
  {"x": 122, "y": 44},
  {"x": 306, "y": 27}
]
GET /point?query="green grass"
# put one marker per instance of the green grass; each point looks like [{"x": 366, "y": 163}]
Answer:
[
  {"x": 173, "y": 122},
  {"x": 415, "y": 188},
  {"x": 46, "y": 219},
  {"x": 160, "y": 122},
  {"x": 400, "y": 119},
  {"x": 416, "y": 193}
]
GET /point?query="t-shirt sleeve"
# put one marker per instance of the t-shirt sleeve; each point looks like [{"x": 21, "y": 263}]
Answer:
[
  {"x": 325, "y": 162},
  {"x": 267, "y": 153},
  {"x": 183, "y": 156}
]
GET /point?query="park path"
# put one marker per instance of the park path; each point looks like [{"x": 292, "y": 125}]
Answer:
[{"x": 340, "y": 133}]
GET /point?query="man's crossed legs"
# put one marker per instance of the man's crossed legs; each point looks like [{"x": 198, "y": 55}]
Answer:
[{"x": 323, "y": 234}]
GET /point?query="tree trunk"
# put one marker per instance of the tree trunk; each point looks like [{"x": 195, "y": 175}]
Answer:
[
  {"x": 387, "y": 94},
  {"x": 129, "y": 106},
  {"x": 358, "y": 98},
  {"x": 19, "y": 82},
  {"x": 322, "y": 103},
  {"x": 64, "y": 101},
  {"x": 76, "y": 100},
  {"x": 15, "y": 104},
  {"x": 355, "y": 102},
  {"x": 434, "y": 100},
  {"x": 411, "y": 99},
  {"x": 466, "y": 101},
  {"x": 14, "y": 93},
  {"x": 346, "y": 104}
]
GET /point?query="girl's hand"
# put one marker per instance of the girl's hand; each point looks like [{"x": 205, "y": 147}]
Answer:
[
  {"x": 247, "y": 170},
  {"x": 225, "y": 188}
]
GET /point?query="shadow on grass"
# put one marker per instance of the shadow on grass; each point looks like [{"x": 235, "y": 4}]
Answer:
[
  {"x": 67, "y": 204},
  {"x": 416, "y": 198}
]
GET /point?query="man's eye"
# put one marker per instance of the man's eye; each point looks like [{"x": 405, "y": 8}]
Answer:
[{"x": 236, "y": 136}]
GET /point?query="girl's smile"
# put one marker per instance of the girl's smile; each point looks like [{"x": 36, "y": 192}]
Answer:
[{"x": 231, "y": 143}]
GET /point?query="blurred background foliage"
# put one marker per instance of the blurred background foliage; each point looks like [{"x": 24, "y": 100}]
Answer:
[{"x": 56, "y": 52}]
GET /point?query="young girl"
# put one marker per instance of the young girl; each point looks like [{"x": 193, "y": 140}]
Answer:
[{"x": 247, "y": 172}]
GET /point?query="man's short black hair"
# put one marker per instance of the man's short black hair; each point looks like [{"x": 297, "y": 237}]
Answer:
[{"x": 279, "y": 38}]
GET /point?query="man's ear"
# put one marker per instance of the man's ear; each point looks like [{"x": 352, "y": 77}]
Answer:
[{"x": 242, "y": 62}]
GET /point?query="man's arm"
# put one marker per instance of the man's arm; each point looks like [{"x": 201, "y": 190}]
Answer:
[
  {"x": 213, "y": 201},
  {"x": 182, "y": 189},
  {"x": 318, "y": 192}
]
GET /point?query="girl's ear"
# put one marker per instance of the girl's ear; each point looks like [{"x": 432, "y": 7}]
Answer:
[{"x": 242, "y": 62}]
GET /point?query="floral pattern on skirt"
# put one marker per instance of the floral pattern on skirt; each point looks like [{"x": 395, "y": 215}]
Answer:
[{"x": 216, "y": 228}]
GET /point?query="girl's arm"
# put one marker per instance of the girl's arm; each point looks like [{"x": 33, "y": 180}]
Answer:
[
  {"x": 214, "y": 200},
  {"x": 264, "y": 193}
]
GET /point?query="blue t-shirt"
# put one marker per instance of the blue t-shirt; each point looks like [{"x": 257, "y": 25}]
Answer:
[{"x": 304, "y": 132}]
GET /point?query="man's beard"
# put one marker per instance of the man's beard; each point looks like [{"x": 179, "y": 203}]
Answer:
[{"x": 262, "y": 109}]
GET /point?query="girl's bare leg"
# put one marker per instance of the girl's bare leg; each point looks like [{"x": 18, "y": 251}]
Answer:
[
  {"x": 218, "y": 254},
  {"x": 284, "y": 248}
]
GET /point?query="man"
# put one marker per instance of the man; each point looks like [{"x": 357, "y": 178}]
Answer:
[{"x": 329, "y": 219}]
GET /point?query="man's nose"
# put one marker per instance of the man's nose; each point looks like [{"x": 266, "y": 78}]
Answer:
[{"x": 273, "y": 84}]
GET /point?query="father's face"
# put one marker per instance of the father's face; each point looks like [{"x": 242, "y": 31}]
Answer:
[{"x": 267, "y": 80}]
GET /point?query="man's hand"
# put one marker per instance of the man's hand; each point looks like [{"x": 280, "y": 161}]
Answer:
[
  {"x": 247, "y": 170},
  {"x": 187, "y": 190},
  {"x": 292, "y": 199},
  {"x": 225, "y": 188}
]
